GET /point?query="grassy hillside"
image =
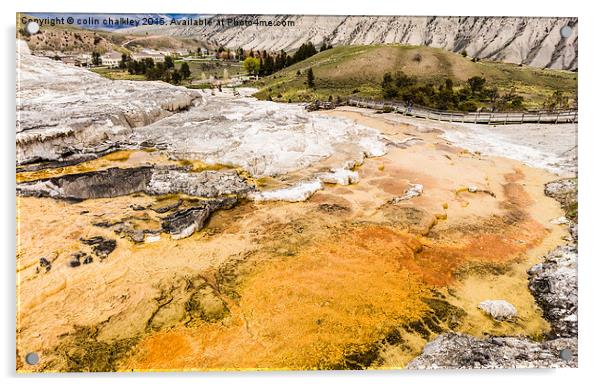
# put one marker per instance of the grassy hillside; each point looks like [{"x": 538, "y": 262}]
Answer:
[
  {"x": 74, "y": 39},
  {"x": 70, "y": 39},
  {"x": 359, "y": 70},
  {"x": 156, "y": 42}
]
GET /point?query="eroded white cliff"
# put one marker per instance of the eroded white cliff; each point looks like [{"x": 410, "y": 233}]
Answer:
[
  {"x": 64, "y": 110},
  {"x": 532, "y": 41}
]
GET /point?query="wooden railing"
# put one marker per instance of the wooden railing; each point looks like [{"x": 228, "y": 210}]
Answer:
[{"x": 493, "y": 118}]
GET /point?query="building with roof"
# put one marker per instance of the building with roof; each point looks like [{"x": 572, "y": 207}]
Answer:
[
  {"x": 156, "y": 56},
  {"x": 111, "y": 59}
]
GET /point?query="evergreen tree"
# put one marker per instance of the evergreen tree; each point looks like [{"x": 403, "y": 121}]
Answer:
[
  {"x": 96, "y": 59},
  {"x": 147, "y": 63},
  {"x": 261, "y": 66},
  {"x": 269, "y": 65},
  {"x": 305, "y": 51},
  {"x": 280, "y": 62},
  {"x": 311, "y": 82},
  {"x": 449, "y": 84},
  {"x": 388, "y": 86},
  {"x": 176, "y": 77},
  {"x": 124, "y": 61},
  {"x": 169, "y": 62},
  {"x": 185, "y": 71},
  {"x": 476, "y": 84}
]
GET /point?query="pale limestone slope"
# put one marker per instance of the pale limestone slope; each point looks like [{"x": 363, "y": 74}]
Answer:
[{"x": 531, "y": 41}]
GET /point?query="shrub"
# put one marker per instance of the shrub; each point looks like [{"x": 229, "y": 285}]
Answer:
[{"x": 468, "y": 106}]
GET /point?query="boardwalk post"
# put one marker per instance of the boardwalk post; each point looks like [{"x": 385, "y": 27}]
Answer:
[
  {"x": 476, "y": 117},
  {"x": 522, "y": 118}
]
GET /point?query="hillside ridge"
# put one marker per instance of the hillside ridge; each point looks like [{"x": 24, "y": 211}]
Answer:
[{"x": 521, "y": 40}]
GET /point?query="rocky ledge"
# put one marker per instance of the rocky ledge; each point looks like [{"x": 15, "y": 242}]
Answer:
[
  {"x": 460, "y": 351},
  {"x": 553, "y": 282},
  {"x": 209, "y": 191},
  {"x": 151, "y": 180}
]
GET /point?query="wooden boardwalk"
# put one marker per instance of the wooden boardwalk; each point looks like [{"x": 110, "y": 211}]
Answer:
[{"x": 489, "y": 118}]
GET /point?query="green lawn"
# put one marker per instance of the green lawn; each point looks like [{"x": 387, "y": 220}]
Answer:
[
  {"x": 203, "y": 69},
  {"x": 116, "y": 74}
]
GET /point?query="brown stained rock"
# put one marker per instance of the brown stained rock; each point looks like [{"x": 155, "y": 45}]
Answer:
[
  {"x": 332, "y": 208},
  {"x": 409, "y": 217}
]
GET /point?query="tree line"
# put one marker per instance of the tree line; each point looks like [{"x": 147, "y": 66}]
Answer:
[
  {"x": 239, "y": 54},
  {"x": 263, "y": 63},
  {"x": 473, "y": 93},
  {"x": 165, "y": 71}
]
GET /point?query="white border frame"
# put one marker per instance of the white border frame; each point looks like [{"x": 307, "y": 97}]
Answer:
[{"x": 589, "y": 185}]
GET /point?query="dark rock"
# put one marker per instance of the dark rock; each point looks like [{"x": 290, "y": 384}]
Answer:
[
  {"x": 100, "y": 246},
  {"x": 88, "y": 259},
  {"x": 147, "y": 144},
  {"x": 106, "y": 224},
  {"x": 185, "y": 222},
  {"x": 44, "y": 263},
  {"x": 75, "y": 261},
  {"x": 360, "y": 360},
  {"x": 98, "y": 184},
  {"x": 115, "y": 182},
  {"x": 137, "y": 207},
  {"x": 167, "y": 208},
  {"x": 42, "y": 163}
]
